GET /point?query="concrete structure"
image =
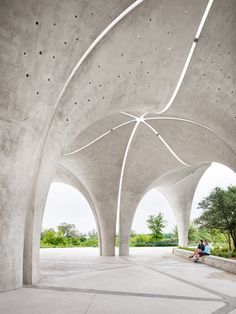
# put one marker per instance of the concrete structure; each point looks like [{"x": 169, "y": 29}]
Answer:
[
  {"x": 151, "y": 280},
  {"x": 226, "y": 264},
  {"x": 114, "y": 97}
]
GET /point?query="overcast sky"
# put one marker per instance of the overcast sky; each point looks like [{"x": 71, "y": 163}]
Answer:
[{"x": 66, "y": 204}]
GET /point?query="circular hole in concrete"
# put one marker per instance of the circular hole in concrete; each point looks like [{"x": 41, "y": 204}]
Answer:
[
  {"x": 77, "y": 38},
  {"x": 40, "y": 52},
  {"x": 24, "y": 53},
  {"x": 53, "y": 57},
  {"x": 37, "y": 23},
  {"x": 37, "y": 93},
  {"x": 27, "y": 75},
  {"x": 48, "y": 79},
  {"x": 65, "y": 42},
  {"x": 67, "y": 119},
  {"x": 76, "y": 16}
]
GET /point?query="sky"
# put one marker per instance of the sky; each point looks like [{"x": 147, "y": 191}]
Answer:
[{"x": 66, "y": 204}]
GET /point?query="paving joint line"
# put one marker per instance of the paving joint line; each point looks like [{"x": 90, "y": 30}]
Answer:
[
  {"x": 122, "y": 293},
  {"x": 230, "y": 302}
]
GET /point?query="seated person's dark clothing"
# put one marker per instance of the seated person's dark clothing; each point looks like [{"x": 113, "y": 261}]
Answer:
[
  {"x": 201, "y": 246},
  {"x": 207, "y": 251},
  {"x": 203, "y": 253}
]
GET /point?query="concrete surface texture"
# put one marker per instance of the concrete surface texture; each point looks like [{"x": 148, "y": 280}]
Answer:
[
  {"x": 150, "y": 280},
  {"x": 227, "y": 264},
  {"x": 113, "y": 97}
]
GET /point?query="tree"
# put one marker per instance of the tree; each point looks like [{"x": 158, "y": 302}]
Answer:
[
  {"x": 68, "y": 230},
  {"x": 175, "y": 235},
  {"x": 192, "y": 233},
  {"x": 156, "y": 224},
  {"x": 219, "y": 212}
]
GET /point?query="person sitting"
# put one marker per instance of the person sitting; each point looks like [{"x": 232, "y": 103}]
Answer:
[
  {"x": 207, "y": 251},
  {"x": 200, "y": 248}
]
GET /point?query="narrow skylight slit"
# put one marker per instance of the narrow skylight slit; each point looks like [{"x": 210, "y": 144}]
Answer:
[
  {"x": 98, "y": 138},
  {"x": 205, "y": 15},
  {"x": 194, "y": 44},
  {"x": 167, "y": 146},
  {"x": 172, "y": 152},
  {"x": 195, "y": 123},
  {"x": 96, "y": 41},
  {"x": 122, "y": 170}
]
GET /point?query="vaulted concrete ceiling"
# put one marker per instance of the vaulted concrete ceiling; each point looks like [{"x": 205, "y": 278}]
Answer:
[{"x": 114, "y": 97}]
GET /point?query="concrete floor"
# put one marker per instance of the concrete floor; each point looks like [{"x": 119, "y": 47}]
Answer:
[{"x": 151, "y": 280}]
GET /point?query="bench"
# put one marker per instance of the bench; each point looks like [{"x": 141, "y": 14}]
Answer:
[{"x": 226, "y": 264}]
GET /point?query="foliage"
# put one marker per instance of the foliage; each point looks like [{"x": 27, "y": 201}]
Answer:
[
  {"x": 68, "y": 230},
  {"x": 68, "y": 237},
  {"x": 219, "y": 213},
  {"x": 156, "y": 224}
]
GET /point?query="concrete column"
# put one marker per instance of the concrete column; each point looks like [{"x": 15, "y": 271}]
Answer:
[
  {"x": 43, "y": 176},
  {"x": 19, "y": 150},
  {"x": 180, "y": 196},
  {"x": 63, "y": 175},
  {"x": 125, "y": 229}
]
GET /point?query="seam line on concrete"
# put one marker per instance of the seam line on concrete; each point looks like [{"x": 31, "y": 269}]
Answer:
[
  {"x": 122, "y": 170},
  {"x": 98, "y": 138},
  {"x": 188, "y": 60},
  {"x": 26, "y": 118},
  {"x": 167, "y": 146},
  {"x": 221, "y": 295},
  {"x": 193, "y": 122},
  {"x": 90, "y": 303},
  {"x": 124, "y": 293},
  {"x": 92, "y": 46},
  {"x": 187, "y": 175}
]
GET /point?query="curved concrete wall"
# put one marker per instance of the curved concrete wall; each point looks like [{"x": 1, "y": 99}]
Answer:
[{"x": 68, "y": 69}]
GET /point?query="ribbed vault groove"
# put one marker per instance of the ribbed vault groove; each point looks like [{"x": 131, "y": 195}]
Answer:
[
  {"x": 125, "y": 95},
  {"x": 185, "y": 68}
]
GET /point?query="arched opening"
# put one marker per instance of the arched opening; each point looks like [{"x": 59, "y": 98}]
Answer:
[
  {"x": 69, "y": 230},
  {"x": 179, "y": 189},
  {"x": 67, "y": 204},
  {"x": 217, "y": 175},
  {"x": 152, "y": 203}
]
